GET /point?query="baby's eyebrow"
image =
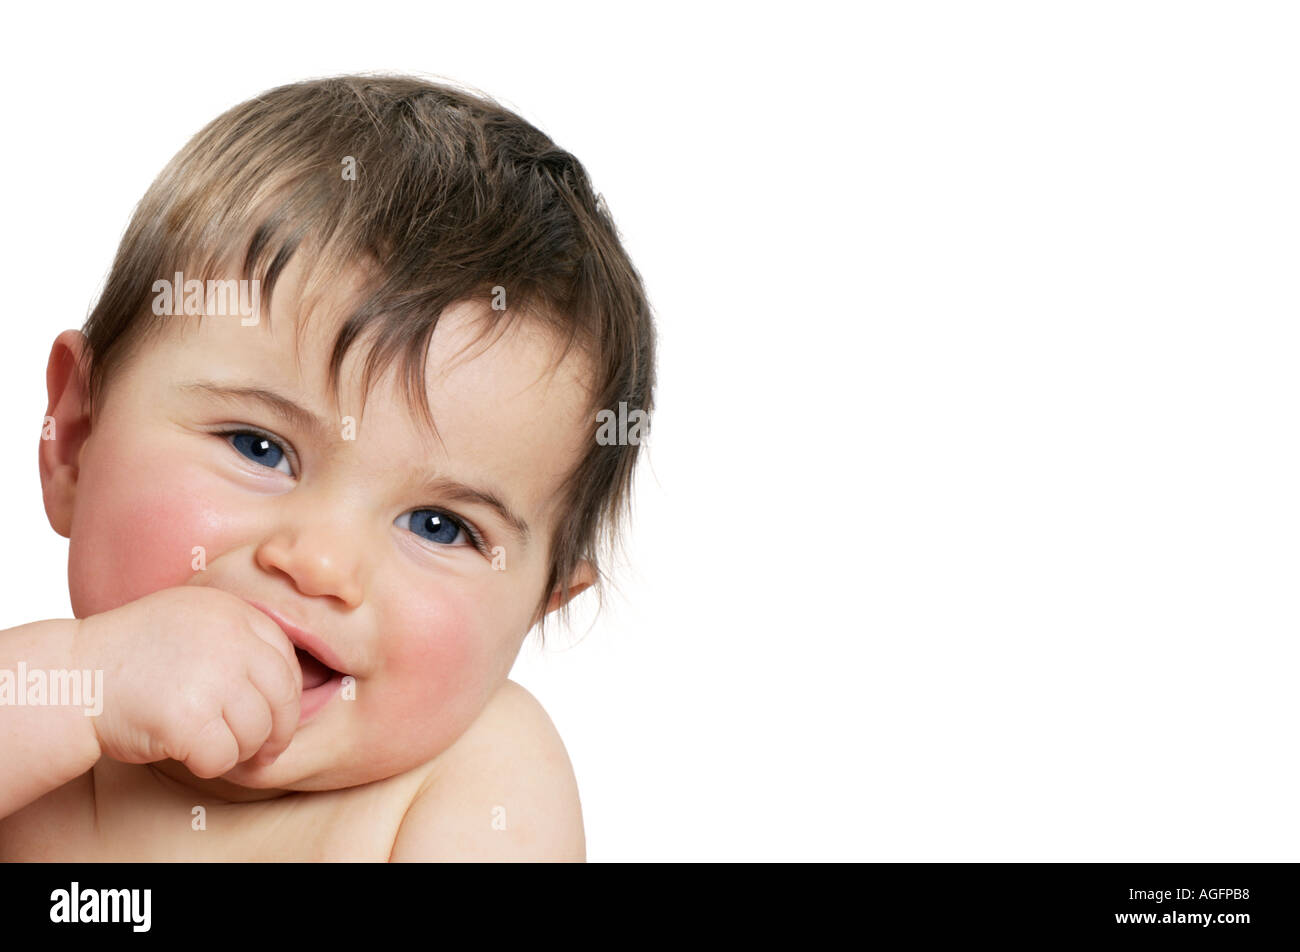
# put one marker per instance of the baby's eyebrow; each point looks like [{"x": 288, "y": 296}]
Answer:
[
  {"x": 455, "y": 491},
  {"x": 278, "y": 403},
  {"x": 304, "y": 419}
]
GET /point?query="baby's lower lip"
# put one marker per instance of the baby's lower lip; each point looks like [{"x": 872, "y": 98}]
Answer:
[{"x": 313, "y": 699}]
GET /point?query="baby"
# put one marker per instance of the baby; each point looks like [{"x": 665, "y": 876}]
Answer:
[{"x": 325, "y": 451}]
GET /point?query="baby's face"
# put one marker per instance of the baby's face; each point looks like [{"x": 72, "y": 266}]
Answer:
[{"x": 344, "y": 531}]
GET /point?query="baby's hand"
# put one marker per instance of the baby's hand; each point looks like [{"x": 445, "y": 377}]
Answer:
[{"x": 192, "y": 674}]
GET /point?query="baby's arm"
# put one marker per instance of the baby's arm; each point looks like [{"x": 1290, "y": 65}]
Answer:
[
  {"x": 189, "y": 673},
  {"x": 42, "y": 747}
]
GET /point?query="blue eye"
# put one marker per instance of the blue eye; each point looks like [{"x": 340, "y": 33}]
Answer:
[
  {"x": 435, "y": 526},
  {"x": 256, "y": 447}
]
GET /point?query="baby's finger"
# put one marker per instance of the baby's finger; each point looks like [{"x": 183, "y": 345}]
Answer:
[
  {"x": 265, "y": 628},
  {"x": 212, "y": 751},
  {"x": 281, "y": 687},
  {"x": 249, "y": 715}
]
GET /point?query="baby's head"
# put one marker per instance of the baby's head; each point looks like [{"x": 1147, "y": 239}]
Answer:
[{"x": 386, "y": 432}]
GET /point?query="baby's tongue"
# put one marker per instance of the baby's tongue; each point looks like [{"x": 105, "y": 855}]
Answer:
[{"x": 314, "y": 674}]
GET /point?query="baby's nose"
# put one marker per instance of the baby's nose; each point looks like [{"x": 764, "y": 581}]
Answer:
[{"x": 320, "y": 560}]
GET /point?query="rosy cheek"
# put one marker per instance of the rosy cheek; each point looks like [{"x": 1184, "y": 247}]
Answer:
[
  {"x": 438, "y": 666},
  {"x": 135, "y": 532}
]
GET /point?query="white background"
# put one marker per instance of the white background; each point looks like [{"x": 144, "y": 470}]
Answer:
[{"x": 970, "y": 527}]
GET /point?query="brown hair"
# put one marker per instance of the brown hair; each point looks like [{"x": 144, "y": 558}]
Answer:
[{"x": 453, "y": 196}]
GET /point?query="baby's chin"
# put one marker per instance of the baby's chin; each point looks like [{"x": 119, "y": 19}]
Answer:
[
  {"x": 292, "y": 774},
  {"x": 287, "y": 777}
]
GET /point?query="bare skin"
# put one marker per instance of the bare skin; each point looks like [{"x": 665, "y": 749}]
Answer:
[{"x": 215, "y": 698}]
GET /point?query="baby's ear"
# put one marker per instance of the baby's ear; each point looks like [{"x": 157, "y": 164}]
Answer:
[
  {"x": 64, "y": 429},
  {"x": 584, "y": 575}
]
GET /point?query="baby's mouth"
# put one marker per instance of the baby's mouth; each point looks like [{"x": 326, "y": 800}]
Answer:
[
  {"x": 314, "y": 671},
  {"x": 320, "y": 682}
]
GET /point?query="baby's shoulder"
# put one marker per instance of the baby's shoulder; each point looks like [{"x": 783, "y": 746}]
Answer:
[{"x": 505, "y": 790}]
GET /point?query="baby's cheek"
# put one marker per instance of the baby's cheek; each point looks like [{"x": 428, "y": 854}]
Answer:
[
  {"x": 438, "y": 672},
  {"x": 135, "y": 535}
]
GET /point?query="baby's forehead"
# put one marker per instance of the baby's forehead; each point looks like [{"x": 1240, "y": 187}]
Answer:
[
  {"x": 474, "y": 357},
  {"x": 499, "y": 390},
  {"x": 309, "y": 324}
]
